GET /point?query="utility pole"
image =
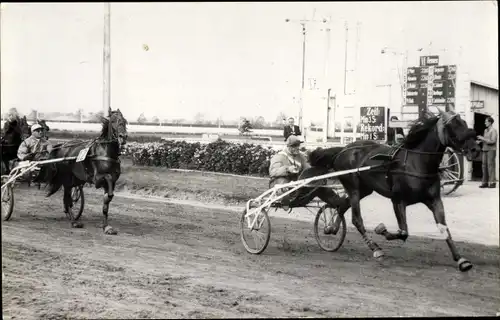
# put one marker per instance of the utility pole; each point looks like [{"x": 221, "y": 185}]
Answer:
[
  {"x": 345, "y": 56},
  {"x": 326, "y": 83},
  {"x": 303, "y": 23},
  {"x": 106, "y": 74}
]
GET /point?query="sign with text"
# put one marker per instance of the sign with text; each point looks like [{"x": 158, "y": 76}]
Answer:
[
  {"x": 477, "y": 104},
  {"x": 429, "y": 61},
  {"x": 430, "y": 84},
  {"x": 373, "y": 123}
]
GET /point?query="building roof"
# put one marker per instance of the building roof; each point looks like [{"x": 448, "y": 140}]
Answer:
[{"x": 482, "y": 84}]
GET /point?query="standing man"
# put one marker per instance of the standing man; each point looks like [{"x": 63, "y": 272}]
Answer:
[
  {"x": 489, "y": 140},
  {"x": 394, "y": 135},
  {"x": 291, "y": 129}
]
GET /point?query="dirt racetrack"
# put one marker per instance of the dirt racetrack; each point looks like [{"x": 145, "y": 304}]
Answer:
[{"x": 172, "y": 261}]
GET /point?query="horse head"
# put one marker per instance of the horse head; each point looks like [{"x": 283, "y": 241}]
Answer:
[
  {"x": 453, "y": 132},
  {"x": 115, "y": 127}
]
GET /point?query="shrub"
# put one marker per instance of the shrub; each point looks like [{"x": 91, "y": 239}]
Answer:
[{"x": 218, "y": 156}]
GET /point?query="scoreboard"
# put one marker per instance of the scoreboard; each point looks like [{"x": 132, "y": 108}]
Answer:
[{"x": 430, "y": 85}]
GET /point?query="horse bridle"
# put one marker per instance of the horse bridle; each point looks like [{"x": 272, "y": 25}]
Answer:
[{"x": 441, "y": 125}]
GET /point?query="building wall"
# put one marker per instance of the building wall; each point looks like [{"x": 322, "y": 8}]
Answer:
[{"x": 490, "y": 98}]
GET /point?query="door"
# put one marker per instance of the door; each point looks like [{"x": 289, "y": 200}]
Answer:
[{"x": 479, "y": 126}]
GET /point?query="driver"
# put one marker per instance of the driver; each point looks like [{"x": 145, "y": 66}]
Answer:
[
  {"x": 34, "y": 147},
  {"x": 291, "y": 164}
]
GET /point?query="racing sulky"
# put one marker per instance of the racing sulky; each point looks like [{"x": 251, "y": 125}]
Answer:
[{"x": 410, "y": 174}]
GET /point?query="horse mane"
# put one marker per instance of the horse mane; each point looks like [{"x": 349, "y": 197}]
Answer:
[
  {"x": 104, "y": 129},
  {"x": 419, "y": 131},
  {"x": 323, "y": 157}
]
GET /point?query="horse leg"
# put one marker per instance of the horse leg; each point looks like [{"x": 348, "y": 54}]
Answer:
[
  {"x": 6, "y": 165},
  {"x": 108, "y": 196},
  {"x": 68, "y": 208},
  {"x": 402, "y": 234},
  {"x": 437, "y": 208},
  {"x": 357, "y": 221}
]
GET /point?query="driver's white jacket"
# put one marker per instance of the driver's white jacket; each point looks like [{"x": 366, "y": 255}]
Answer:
[
  {"x": 31, "y": 146},
  {"x": 280, "y": 163}
]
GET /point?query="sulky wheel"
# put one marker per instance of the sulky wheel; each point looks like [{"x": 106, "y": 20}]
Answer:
[
  {"x": 329, "y": 229},
  {"x": 256, "y": 239},
  {"x": 7, "y": 201},
  {"x": 78, "y": 202},
  {"x": 450, "y": 172}
]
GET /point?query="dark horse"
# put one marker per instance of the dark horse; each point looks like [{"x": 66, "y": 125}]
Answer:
[
  {"x": 411, "y": 175},
  {"x": 14, "y": 132},
  {"x": 100, "y": 167}
]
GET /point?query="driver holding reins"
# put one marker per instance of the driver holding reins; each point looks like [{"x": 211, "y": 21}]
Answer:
[
  {"x": 34, "y": 147},
  {"x": 291, "y": 164}
]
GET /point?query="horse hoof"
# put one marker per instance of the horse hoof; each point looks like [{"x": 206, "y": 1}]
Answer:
[
  {"x": 380, "y": 229},
  {"x": 110, "y": 231},
  {"x": 328, "y": 230},
  {"x": 77, "y": 225},
  {"x": 378, "y": 254},
  {"x": 464, "y": 265}
]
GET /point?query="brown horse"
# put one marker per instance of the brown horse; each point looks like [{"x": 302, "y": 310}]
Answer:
[{"x": 100, "y": 166}]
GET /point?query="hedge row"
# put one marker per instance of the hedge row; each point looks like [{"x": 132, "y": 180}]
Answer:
[{"x": 218, "y": 156}]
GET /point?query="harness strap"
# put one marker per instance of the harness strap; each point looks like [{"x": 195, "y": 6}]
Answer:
[
  {"x": 103, "y": 158},
  {"x": 440, "y": 131}
]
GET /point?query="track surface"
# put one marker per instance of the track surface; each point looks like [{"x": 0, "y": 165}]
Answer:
[{"x": 176, "y": 261}]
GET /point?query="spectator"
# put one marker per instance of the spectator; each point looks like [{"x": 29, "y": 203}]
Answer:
[
  {"x": 394, "y": 135},
  {"x": 291, "y": 129},
  {"x": 489, "y": 140}
]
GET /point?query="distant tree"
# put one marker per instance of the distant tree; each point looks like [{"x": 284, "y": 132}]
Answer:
[
  {"x": 155, "y": 119},
  {"x": 142, "y": 118},
  {"x": 280, "y": 119},
  {"x": 220, "y": 121},
  {"x": 199, "y": 118},
  {"x": 32, "y": 115},
  {"x": 258, "y": 122},
  {"x": 96, "y": 117},
  {"x": 79, "y": 114}
]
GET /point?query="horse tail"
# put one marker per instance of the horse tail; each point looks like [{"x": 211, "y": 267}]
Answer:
[{"x": 324, "y": 158}]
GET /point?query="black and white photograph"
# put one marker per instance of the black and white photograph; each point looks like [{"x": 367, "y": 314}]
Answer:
[{"x": 208, "y": 160}]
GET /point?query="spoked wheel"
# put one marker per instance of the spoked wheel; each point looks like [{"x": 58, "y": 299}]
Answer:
[
  {"x": 255, "y": 239},
  {"x": 78, "y": 202},
  {"x": 7, "y": 200},
  {"x": 329, "y": 229},
  {"x": 450, "y": 172}
]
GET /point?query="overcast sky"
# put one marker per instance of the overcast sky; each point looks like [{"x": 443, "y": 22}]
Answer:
[{"x": 230, "y": 59}]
